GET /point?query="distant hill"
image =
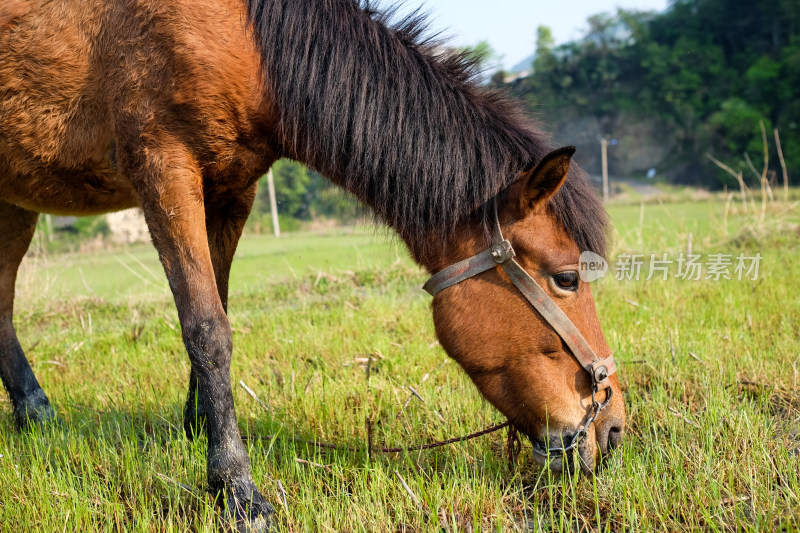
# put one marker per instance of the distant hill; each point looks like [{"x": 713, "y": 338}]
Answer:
[{"x": 522, "y": 66}]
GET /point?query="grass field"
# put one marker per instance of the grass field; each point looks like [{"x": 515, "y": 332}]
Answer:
[{"x": 710, "y": 371}]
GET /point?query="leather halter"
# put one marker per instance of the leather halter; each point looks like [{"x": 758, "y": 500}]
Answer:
[{"x": 501, "y": 253}]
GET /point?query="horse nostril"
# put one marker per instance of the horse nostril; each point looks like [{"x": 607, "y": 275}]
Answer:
[
  {"x": 610, "y": 435},
  {"x": 614, "y": 437}
]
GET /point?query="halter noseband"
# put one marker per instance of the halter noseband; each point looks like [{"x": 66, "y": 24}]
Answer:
[{"x": 502, "y": 253}]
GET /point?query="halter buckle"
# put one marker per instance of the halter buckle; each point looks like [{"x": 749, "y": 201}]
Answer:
[
  {"x": 502, "y": 252},
  {"x": 600, "y": 374}
]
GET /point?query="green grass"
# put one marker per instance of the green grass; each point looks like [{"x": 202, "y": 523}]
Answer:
[{"x": 713, "y": 441}]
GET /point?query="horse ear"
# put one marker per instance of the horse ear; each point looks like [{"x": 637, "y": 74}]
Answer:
[{"x": 541, "y": 182}]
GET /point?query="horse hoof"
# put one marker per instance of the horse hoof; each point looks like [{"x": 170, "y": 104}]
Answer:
[
  {"x": 35, "y": 412},
  {"x": 44, "y": 420},
  {"x": 247, "y": 508}
]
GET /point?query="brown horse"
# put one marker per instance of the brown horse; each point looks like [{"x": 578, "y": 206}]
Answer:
[{"x": 178, "y": 107}]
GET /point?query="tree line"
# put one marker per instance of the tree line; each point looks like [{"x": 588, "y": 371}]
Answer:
[{"x": 710, "y": 70}]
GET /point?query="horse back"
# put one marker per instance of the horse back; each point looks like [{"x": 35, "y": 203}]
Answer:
[{"x": 84, "y": 83}]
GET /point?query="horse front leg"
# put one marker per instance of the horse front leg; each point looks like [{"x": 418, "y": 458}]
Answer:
[
  {"x": 225, "y": 220},
  {"x": 169, "y": 185},
  {"x": 28, "y": 400}
]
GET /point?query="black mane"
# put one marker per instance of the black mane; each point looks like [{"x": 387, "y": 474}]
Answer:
[{"x": 398, "y": 121}]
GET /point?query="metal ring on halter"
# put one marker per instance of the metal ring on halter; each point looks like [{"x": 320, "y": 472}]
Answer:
[{"x": 584, "y": 428}]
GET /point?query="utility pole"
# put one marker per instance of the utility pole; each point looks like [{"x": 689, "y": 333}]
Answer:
[
  {"x": 48, "y": 220},
  {"x": 273, "y": 204},
  {"x": 604, "y": 156}
]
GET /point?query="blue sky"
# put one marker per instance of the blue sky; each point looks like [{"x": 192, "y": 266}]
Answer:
[{"x": 510, "y": 25}]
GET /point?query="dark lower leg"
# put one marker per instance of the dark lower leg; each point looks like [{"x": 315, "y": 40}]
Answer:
[
  {"x": 224, "y": 225},
  {"x": 209, "y": 344},
  {"x": 28, "y": 400}
]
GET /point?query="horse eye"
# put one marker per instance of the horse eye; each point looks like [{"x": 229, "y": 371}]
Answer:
[{"x": 567, "y": 280}]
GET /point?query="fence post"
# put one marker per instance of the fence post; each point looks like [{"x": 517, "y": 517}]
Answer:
[
  {"x": 273, "y": 205},
  {"x": 48, "y": 221},
  {"x": 604, "y": 157}
]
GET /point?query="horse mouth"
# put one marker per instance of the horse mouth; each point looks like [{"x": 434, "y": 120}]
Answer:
[
  {"x": 539, "y": 447},
  {"x": 554, "y": 455}
]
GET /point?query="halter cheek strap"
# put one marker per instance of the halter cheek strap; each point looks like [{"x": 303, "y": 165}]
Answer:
[{"x": 501, "y": 253}]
